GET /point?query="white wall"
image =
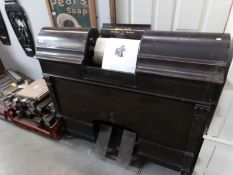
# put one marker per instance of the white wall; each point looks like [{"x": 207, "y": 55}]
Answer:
[{"x": 13, "y": 56}]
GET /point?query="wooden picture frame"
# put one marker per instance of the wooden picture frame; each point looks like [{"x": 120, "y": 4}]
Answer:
[
  {"x": 72, "y": 13},
  {"x": 112, "y": 7}
]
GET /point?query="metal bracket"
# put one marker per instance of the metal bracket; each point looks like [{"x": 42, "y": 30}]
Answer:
[{"x": 20, "y": 25}]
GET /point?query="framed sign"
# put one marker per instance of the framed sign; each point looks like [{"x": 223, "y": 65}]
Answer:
[{"x": 72, "y": 13}]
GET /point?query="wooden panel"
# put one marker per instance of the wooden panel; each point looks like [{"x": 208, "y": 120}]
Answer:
[
  {"x": 36, "y": 90},
  {"x": 216, "y": 15},
  {"x": 141, "y": 11},
  {"x": 123, "y": 11},
  {"x": 229, "y": 27},
  {"x": 163, "y": 13},
  {"x": 215, "y": 158},
  {"x": 188, "y": 15},
  {"x": 112, "y": 6},
  {"x": 102, "y": 12},
  {"x": 176, "y": 15}
]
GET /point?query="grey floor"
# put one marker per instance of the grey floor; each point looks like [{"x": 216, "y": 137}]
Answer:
[{"x": 26, "y": 153}]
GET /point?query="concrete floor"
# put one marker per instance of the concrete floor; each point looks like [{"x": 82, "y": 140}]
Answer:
[{"x": 26, "y": 153}]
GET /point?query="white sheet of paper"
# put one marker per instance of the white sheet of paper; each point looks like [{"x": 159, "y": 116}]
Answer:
[{"x": 121, "y": 55}]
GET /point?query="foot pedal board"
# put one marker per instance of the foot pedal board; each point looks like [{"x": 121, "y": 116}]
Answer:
[
  {"x": 102, "y": 142},
  {"x": 126, "y": 148}
]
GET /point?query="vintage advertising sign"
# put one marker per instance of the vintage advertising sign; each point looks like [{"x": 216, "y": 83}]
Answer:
[{"x": 73, "y": 13}]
